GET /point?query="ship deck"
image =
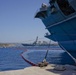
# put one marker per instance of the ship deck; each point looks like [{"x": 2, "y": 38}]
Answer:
[{"x": 49, "y": 70}]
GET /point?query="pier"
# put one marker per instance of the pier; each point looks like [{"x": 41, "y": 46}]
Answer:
[{"x": 49, "y": 70}]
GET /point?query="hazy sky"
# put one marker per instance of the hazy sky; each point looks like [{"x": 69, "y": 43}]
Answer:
[{"x": 17, "y": 22}]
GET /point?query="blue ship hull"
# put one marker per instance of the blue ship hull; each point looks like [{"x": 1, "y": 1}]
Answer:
[
  {"x": 65, "y": 34},
  {"x": 60, "y": 20}
]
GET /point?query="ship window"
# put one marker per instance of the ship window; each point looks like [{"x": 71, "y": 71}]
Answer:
[{"x": 65, "y": 7}]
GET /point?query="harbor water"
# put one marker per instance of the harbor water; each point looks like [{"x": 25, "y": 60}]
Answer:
[{"x": 10, "y": 58}]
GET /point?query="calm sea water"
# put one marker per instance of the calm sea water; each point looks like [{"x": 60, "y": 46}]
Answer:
[{"x": 10, "y": 58}]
